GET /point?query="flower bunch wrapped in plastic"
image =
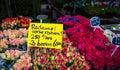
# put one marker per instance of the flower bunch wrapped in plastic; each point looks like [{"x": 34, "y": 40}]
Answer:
[
  {"x": 24, "y": 63},
  {"x": 94, "y": 45},
  {"x": 11, "y": 54},
  {"x": 66, "y": 58}
]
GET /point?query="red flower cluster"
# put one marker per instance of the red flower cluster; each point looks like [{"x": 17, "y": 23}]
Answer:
[
  {"x": 24, "y": 22},
  {"x": 9, "y": 20},
  {"x": 9, "y": 23},
  {"x": 92, "y": 44},
  {"x": 15, "y": 21}
]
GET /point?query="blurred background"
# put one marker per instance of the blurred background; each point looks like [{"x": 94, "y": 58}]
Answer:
[{"x": 55, "y": 8}]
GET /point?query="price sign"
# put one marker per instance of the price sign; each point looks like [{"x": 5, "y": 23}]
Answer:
[
  {"x": 95, "y": 21},
  {"x": 115, "y": 41},
  {"x": 45, "y": 35},
  {"x": 42, "y": 17}
]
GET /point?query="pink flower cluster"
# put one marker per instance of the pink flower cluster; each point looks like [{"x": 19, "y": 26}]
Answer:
[
  {"x": 92, "y": 44},
  {"x": 17, "y": 41},
  {"x": 3, "y": 44},
  {"x": 13, "y": 37},
  {"x": 24, "y": 63},
  {"x": 22, "y": 32},
  {"x": 11, "y": 54},
  {"x": 1, "y": 35},
  {"x": 63, "y": 59}
]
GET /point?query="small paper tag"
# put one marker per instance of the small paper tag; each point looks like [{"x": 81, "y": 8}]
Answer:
[
  {"x": 95, "y": 21},
  {"x": 116, "y": 40}
]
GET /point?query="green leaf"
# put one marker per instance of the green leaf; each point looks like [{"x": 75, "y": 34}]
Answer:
[
  {"x": 108, "y": 44},
  {"x": 39, "y": 67},
  {"x": 68, "y": 64},
  {"x": 56, "y": 68}
]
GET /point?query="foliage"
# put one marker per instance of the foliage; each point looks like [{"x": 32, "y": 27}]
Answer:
[{"x": 100, "y": 11}]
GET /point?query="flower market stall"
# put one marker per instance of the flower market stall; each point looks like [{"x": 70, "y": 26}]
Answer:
[{"x": 83, "y": 47}]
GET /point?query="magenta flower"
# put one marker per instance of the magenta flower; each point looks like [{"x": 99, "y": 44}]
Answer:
[
  {"x": 43, "y": 60},
  {"x": 92, "y": 44},
  {"x": 63, "y": 67}
]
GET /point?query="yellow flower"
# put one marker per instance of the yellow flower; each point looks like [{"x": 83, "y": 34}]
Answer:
[{"x": 3, "y": 55}]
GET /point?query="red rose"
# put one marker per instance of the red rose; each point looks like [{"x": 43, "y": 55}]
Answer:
[{"x": 63, "y": 67}]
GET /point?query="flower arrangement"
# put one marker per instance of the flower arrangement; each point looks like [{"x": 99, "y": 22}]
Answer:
[
  {"x": 13, "y": 38},
  {"x": 15, "y": 22},
  {"x": 9, "y": 23},
  {"x": 11, "y": 54},
  {"x": 24, "y": 63},
  {"x": 1, "y": 34},
  {"x": 11, "y": 34},
  {"x": 67, "y": 58},
  {"x": 92, "y": 44},
  {"x": 24, "y": 22},
  {"x": 3, "y": 44}
]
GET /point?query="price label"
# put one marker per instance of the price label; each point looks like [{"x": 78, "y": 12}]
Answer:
[
  {"x": 41, "y": 17},
  {"x": 116, "y": 41},
  {"x": 95, "y": 21},
  {"x": 45, "y": 35}
]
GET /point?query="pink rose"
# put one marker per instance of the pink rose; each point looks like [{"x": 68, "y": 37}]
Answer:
[
  {"x": 63, "y": 67},
  {"x": 43, "y": 60}
]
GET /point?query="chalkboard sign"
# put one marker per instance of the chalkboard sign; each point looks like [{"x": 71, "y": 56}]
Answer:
[
  {"x": 95, "y": 21},
  {"x": 116, "y": 41}
]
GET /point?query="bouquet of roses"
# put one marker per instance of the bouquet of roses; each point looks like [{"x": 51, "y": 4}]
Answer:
[
  {"x": 92, "y": 44},
  {"x": 3, "y": 44},
  {"x": 8, "y": 58},
  {"x": 1, "y": 34},
  {"x": 10, "y": 38},
  {"x": 11, "y": 34},
  {"x": 24, "y": 63},
  {"x": 67, "y": 58},
  {"x": 11, "y": 54},
  {"x": 9, "y": 23},
  {"x": 15, "y": 22},
  {"x": 24, "y": 22}
]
